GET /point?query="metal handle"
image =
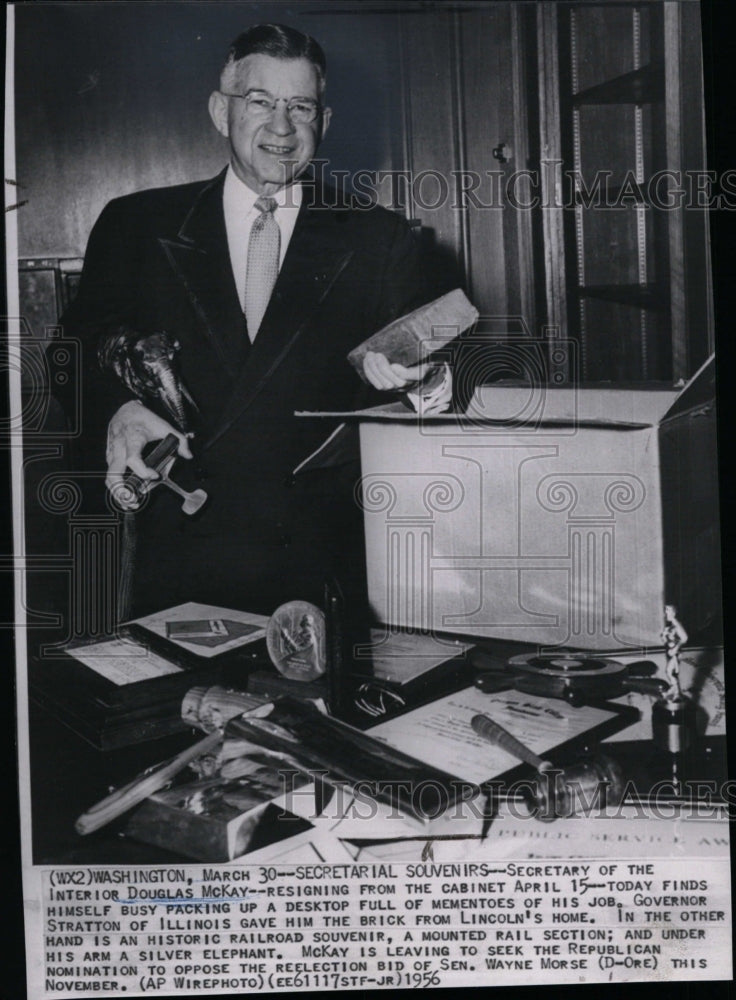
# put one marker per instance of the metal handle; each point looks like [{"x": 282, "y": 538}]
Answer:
[
  {"x": 156, "y": 461},
  {"x": 159, "y": 460},
  {"x": 502, "y": 153}
]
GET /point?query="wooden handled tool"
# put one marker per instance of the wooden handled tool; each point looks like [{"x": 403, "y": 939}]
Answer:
[
  {"x": 501, "y": 737},
  {"x": 140, "y": 788},
  {"x": 206, "y": 708}
]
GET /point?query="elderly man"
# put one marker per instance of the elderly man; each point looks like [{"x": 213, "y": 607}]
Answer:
[{"x": 267, "y": 281}]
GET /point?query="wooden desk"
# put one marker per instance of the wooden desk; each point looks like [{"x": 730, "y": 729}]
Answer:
[{"x": 68, "y": 775}]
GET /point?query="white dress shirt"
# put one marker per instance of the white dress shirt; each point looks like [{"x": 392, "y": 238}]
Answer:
[{"x": 238, "y": 202}]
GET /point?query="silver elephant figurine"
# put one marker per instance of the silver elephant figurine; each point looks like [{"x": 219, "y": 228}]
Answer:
[{"x": 148, "y": 366}]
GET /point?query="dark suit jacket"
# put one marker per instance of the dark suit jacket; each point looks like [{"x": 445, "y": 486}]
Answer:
[{"x": 158, "y": 260}]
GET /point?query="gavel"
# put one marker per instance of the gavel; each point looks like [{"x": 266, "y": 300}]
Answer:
[
  {"x": 160, "y": 460},
  {"x": 559, "y": 792}
]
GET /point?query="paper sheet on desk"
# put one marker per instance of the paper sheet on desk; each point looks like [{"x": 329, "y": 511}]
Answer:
[
  {"x": 440, "y": 734},
  {"x": 629, "y": 835},
  {"x": 364, "y": 821},
  {"x": 192, "y": 612},
  {"x": 402, "y": 656},
  {"x": 123, "y": 662},
  {"x": 309, "y": 847}
]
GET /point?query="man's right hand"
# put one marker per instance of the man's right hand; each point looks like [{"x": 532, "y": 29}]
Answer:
[{"x": 131, "y": 428}]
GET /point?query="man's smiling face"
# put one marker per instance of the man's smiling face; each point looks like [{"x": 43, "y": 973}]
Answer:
[{"x": 259, "y": 146}]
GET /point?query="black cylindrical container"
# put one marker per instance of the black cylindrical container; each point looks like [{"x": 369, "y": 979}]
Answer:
[{"x": 673, "y": 724}]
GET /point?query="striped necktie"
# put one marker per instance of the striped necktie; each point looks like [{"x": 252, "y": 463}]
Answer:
[{"x": 263, "y": 264}]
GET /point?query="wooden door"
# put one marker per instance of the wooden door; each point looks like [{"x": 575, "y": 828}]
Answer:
[
  {"x": 623, "y": 117},
  {"x": 543, "y": 145},
  {"x": 464, "y": 93}
]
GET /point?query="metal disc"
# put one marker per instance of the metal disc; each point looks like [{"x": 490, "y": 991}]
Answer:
[
  {"x": 296, "y": 641},
  {"x": 567, "y": 664}
]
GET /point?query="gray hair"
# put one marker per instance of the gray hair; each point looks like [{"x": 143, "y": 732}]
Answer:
[{"x": 278, "y": 41}]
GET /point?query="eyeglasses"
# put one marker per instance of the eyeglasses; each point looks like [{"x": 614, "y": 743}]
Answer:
[{"x": 261, "y": 105}]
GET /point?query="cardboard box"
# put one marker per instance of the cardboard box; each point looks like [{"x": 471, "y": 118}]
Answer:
[{"x": 556, "y": 516}]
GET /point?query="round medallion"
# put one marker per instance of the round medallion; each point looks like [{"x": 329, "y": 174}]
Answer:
[{"x": 295, "y": 638}]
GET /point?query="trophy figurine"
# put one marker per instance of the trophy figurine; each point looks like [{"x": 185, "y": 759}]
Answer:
[
  {"x": 673, "y": 715},
  {"x": 674, "y": 638}
]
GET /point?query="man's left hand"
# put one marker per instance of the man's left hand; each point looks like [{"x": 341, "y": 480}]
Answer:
[{"x": 383, "y": 374}]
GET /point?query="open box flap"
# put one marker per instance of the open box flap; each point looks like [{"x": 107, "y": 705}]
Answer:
[
  {"x": 544, "y": 405},
  {"x": 699, "y": 392},
  {"x": 626, "y": 407},
  {"x": 522, "y": 406}
]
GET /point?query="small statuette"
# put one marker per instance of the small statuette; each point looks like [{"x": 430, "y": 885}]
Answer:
[
  {"x": 673, "y": 715},
  {"x": 674, "y": 637}
]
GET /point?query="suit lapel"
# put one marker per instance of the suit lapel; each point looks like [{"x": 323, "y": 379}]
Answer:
[
  {"x": 313, "y": 262},
  {"x": 199, "y": 255}
]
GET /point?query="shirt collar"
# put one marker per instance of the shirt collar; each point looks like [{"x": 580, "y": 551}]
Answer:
[{"x": 241, "y": 199}]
